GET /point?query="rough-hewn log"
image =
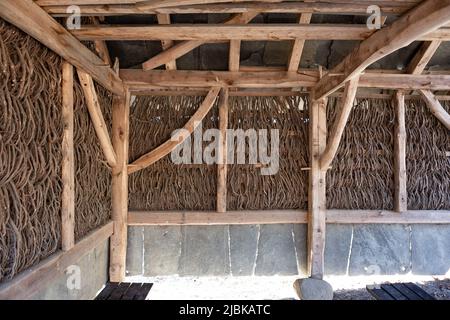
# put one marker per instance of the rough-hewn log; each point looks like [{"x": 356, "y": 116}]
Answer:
[
  {"x": 222, "y": 166},
  {"x": 436, "y": 108},
  {"x": 401, "y": 195}
]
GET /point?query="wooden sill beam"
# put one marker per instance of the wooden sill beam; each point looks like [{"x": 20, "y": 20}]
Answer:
[
  {"x": 93, "y": 105},
  {"x": 29, "y": 17},
  {"x": 436, "y": 108},
  {"x": 139, "y": 80},
  {"x": 168, "y": 146},
  {"x": 32, "y": 280},
  {"x": 253, "y": 32},
  {"x": 424, "y": 19},
  {"x": 96, "y": 8},
  {"x": 251, "y": 217}
]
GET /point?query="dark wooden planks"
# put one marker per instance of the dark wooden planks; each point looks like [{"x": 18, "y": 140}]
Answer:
[
  {"x": 125, "y": 291},
  {"x": 399, "y": 291}
]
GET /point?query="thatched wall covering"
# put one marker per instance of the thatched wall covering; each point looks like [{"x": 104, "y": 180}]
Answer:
[{"x": 30, "y": 155}]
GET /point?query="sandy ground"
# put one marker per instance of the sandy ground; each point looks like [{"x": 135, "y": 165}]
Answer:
[{"x": 276, "y": 287}]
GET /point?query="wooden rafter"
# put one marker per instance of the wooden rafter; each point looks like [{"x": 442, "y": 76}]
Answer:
[
  {"x": 139, "y": 80},
  {"x": 167, "y": 44},
  {"x": 423, "y": 57},
  {"x": 30, "y": 18},
  {"x": 101, "y": 47},
  {"x": 254, "y": 32},
  {"x": 93, "y": 105},
  {"x": 436, "y": 108},
  {"x": 338, "y": 127},
  {"x": 56, "y": 7},
  {"x": 252, "y": 217},
  {"x": 168, "y": 146},
  {"x": 422, "y": 20},
  {"x": 184, "y": 47}
]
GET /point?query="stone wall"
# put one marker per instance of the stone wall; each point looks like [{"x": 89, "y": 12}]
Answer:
[{"x": 266, "y": 250}]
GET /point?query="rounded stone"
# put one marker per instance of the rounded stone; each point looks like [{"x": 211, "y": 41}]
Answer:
[{"x": 313, "y": 289}]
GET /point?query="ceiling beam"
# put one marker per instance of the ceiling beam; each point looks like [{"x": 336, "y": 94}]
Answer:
[
  {"x": 182, "y": 48},
  {"x": 298, "y": 45},
  {"x": 55, "y": 7},
  {"x": 422, "y": 20},
  {"x": 253, "y": 32},
  {"x": 167, "y": 44},
  {"x": 423, "y": 57},
  {"x": 156, "y": 79},
  {"x": 30, "y": 18}
]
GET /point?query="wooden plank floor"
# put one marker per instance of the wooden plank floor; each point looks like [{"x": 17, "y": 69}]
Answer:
[
  {"x": 124, "y": 291},
  {"x": 399, "y": 291}
]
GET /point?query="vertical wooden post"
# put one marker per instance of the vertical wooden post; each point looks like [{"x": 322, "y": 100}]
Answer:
[
  {"x": 317, "y": 191},
  {"x": 120, "y": 140},
  {"x": 401, "y": 197},
  {"x": 223, "y": 152},
  {"x": 68, "y": 161}
]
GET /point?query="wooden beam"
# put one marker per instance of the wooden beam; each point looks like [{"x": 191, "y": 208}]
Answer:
[
  {"x": 139, "y": 80},
  {"x": 253, "y": 32},
  {"x": 180, "y": 49},
  {"x": 436, "y": 108},
  {"x": 31, "y": 281},
  {"x": 68, "y": 161},
  {"x": 401, "y": 195},
  {"x": 317, "y": 189},
  {"x": 55, "y": 7},
  {"x": 101, "y": 47},
  {"x": 120, "y": 139},
  {"x": 167, "y": 44},
  {"x": 168, "y": 146},
  {"x": 222, "y": 166},
  {"x": 155, "y": 4},
  {"x": 346, "y": 106},
  {"x": 298, "y": 45},
  {"x": 30, "y": 18},
  {"x": 87, "y": 84},
  {"x": 234, "y": 55},
  {"x": 422, "y": 20},
  {"x": 423, "y": 57},
  {"x": 252, "y": 217}
]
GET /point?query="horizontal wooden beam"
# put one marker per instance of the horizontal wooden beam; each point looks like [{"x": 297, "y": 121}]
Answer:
[
  {"x": 30, "y": 18},
  {"x": 253, "y": 32},
  {"x": 34, "y": 279},
  {"x": 139, "y": 80},
  {"x": 57, "y": 9},
  {"x": 248, "y": 217}
]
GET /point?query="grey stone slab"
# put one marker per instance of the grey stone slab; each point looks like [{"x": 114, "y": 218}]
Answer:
[
  {"x": 380, "y": 249},
  {"x": 243, "y": 247},
  {"x": 337, "y": 248},
  {"x": 276, "y": 251},
  {"x": 205, "y": 251},
  {"x": 430, "y": 249},
  {"x": 313, "y": 289},
  {"x": 162, "y": 250},
  {"x": 92, "y": 269},
  {"x": 301, "y": 247},
  {"x": 135, "y": 249}
]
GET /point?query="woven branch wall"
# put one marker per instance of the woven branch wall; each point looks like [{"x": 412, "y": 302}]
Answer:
[
  {"x": 427, "y": 158},
  {"x": 165, "y": 186},
  {"x": 362, "y": 173},
  {"x": 30, "y": 155}
]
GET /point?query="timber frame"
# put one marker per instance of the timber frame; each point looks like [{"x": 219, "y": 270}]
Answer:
[{"x": 418, "y": 21}]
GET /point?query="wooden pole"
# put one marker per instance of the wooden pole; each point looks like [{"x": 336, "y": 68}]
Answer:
[
  {"x": 68, "y": 161},
  {"x": 222, "y": 166},
  {"x": 436, "y": 107},
  {"x": 120, "y": 140},
  {"x": 401, "y": 196},
  {"x": 317, "y": 191}
]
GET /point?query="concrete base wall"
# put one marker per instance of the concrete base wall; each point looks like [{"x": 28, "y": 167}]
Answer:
[
  {"x": 265, "y": 250},
  {"x": 83, "y": 280}
]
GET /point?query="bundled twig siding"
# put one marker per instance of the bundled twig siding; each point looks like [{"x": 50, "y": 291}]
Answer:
[
  {"x": 427, "y": 158},
  {"x": 30, "y": 155},
  {"x": 362, "y": 176}
]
